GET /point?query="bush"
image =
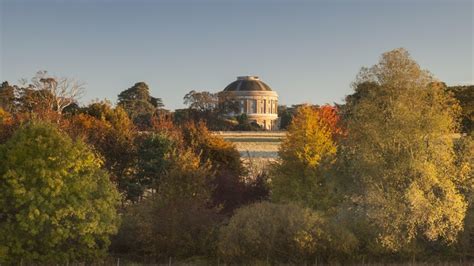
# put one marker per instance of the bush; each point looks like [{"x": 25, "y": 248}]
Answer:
[
  {"x": 56, "y": 203},
  {"x": 155, "y": 230},
  {"x": 275, "y": 233},
  {"x": 177, "y": 220}
]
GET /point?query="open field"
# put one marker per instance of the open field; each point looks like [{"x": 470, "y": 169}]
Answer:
[
  {"x": 255, "y": 144},
  {"x": 258, "y": 148}
]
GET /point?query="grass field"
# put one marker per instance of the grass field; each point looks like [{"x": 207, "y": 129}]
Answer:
[
  {"x": 255, "y": 147},
  {"x": 255, "y": 144}
]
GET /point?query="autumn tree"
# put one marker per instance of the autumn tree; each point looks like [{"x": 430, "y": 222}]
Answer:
[
  {"x": 34, "y": 102},
  {"x": 465, "y": 96},
  {"x": 52, "y": 93},
  {"x": 6, "y": 125},
  {"x": 271, "y": 233},
  {"x": 112, "y": 134},
  {"x": 7, "y": 97},
  {"x": 305, "y": 154},
  {"x": 176, "y": 221},
  {"x": 400, "y": 165},
  {"x": 465, "y": 163},
  {"x": 57, "y": 204},
  {"x": 224, "y": 160}
]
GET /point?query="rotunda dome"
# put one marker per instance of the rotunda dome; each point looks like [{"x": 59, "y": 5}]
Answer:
[
  {"x": 248, "y": 83},
  {"x": 255, "y": 99}
]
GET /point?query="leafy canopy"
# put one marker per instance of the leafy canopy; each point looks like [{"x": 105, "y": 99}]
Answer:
[
  {"x": 307, "y": 151},
  {"x": 139, "y": 104},
  {"x": 399, "y": 153},
  {"x": 56, "y": 202},
  {"x": 280, "y": 233}
]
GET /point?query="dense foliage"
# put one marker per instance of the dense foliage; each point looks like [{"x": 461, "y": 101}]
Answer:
[
  {"x": 465, "y": 96},
  {"x": 283, "y": 233},
  {"x": 56, "y": 203},
  {"x": 271, "y": 233},
  {"x": 400, "y": 156},
  {"x": 213, "y": 109},
  {"x": 306, "y": 154},
  {"x": 176, "y": 220},
  {"x": 139, "y": 104},
  {"x": 385, "y": 177}
]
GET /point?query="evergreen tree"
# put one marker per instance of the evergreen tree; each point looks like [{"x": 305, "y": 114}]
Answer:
[{"x": 139, "y": 104}]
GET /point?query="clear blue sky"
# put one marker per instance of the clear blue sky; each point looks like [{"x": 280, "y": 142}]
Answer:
[{"x": 308, "y": 51}]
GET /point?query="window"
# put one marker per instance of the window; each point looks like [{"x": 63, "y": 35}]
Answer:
[{"x": 253, "y": 106}]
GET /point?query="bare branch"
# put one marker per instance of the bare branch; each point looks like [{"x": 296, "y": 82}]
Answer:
[{"x": 58, "y": 93}]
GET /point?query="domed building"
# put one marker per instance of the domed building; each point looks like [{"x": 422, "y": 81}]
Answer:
[{"x": 256, "y": 99}]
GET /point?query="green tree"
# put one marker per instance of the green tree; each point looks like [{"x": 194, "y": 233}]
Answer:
[
  {"x": 202, "y": 106},
  {"x": 244, "y": 124},
  {"x": 154, "y": 152},
  {"x": 56, "y": 202},
  {"x": 211, "y": 108},
  {"x": 139, "y": 104},
  {"x": 285, "y": 113},
  {"x": 399, "y": 159},
  {"x": 201, "y": 101}
]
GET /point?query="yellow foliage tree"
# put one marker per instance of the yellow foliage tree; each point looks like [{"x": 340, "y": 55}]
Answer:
[
  {"x": 306, "y": 152},
  {"x": 400, "y": 153}
]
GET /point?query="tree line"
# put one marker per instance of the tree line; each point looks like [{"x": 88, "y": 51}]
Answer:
[{"x": 385, "y": 177}]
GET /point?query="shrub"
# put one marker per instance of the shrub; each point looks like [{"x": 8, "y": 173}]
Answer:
[
  {"x": 275, "y": 233},
  {"x": 175, "y": 221}
]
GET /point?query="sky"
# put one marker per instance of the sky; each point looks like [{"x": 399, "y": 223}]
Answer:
[{"x": 307, "y": 51}]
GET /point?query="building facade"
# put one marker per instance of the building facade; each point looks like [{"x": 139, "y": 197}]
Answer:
[{"x": 255, "y": 99}]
